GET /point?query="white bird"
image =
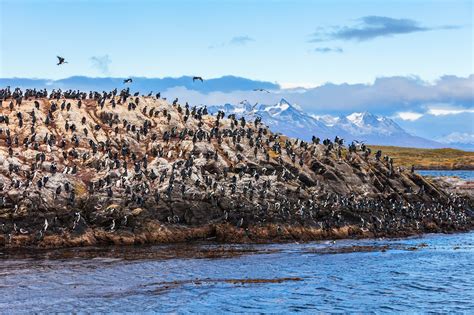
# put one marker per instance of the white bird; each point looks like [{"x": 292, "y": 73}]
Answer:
[
  {"x": 76, "y": 221},
  {"x": 23, "y": 231},
  {"x": 45, "y": 227},
  {"x": 112, "y": 227}
]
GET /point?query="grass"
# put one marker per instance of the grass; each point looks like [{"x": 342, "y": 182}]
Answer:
[{"x": 428, "y": 158}]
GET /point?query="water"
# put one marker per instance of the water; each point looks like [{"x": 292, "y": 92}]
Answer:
[
  {"x": 463, "y": 174},
  {"x": 430, "y": 273}
]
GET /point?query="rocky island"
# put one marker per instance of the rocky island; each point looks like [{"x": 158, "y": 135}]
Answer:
[{"x": 92, "y": 168}]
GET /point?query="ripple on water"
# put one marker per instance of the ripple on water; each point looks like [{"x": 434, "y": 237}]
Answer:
[{"x": 357, "y": 276}]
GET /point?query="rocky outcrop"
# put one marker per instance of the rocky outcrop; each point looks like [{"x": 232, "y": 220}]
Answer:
[{"x": 122, "y": 169}]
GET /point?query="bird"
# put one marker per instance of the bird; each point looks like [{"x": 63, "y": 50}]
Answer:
[
  {"x": 197, "y": 78},
  {"x": 129, "y": 80},
  {"x": 23, "y": 231},
  {"x": 61, "y": 60},
  {"x": 261, "y": 90},
  {"x": 112, "y": 227}
]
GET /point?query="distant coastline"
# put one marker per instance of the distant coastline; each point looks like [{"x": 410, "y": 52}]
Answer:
[{"x": 430, "y": 159}]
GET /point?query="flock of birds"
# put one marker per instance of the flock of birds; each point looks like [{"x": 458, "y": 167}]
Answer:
[
  {"x": 62, "y": 60},
  {"x": 140, "y": 152}
]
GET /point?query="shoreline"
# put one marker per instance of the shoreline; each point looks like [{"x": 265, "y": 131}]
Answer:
[
  {"x": 156, "y": 234},
  {"x": 441, "y": 168}
]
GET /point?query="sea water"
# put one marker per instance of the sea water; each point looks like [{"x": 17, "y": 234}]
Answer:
[
  {"x": 463, "y": 174},
  {"x": 432, "y": 273}
]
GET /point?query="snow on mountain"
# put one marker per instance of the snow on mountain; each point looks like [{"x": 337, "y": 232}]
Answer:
[
  {"x": 287, "y": 119},
  {"x": 460, "y": 140}
]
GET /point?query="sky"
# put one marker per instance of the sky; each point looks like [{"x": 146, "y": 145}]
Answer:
[
  {"x": 319, "y": 45},
  {"x": 288, "y": 42}
]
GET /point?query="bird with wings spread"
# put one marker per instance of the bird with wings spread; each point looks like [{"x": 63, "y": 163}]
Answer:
[{"x": 61, "y": 60}]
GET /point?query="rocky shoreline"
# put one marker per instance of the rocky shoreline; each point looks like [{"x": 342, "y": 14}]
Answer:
[
  {"x": 83, "y": 169},
  {"x": 219, "y": 233}
]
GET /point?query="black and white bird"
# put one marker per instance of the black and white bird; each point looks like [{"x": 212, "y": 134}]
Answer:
[
  {"x": 61, "y": 60},
  {"x": 129, "y": 80},
  {"x": 198, "y": 78}
]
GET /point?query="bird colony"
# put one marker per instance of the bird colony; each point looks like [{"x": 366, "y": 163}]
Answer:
[{"x": 82, "y": 168}]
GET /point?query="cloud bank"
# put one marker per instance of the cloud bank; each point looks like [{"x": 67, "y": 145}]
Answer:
[
  {"x": 371, "y": 27},
  {"x": 429, "y": 109}
]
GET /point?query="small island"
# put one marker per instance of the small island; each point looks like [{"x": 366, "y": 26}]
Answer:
[{"x": 95, "y": 168}]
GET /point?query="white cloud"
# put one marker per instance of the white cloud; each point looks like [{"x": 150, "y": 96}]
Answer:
[
  {"x": 297, "y": 85},
  {"x": 449, "y": 111},
  {"x": 411, "y": 116}
]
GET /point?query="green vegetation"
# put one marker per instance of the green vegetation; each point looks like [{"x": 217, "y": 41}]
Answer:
[{"x": 428, "y": 158}]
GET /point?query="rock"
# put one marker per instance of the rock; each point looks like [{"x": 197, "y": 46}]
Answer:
[{"x": 136, "y": 171}]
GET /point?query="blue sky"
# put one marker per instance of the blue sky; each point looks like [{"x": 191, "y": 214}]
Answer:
[
  {"x": 174, "y": 38},
  {"x": 402, "y": 59}
]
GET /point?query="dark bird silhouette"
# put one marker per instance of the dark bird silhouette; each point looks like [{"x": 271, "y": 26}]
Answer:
[
  {"x": 197, "y": 78},
  {"x": 129, "y": 80},
  {"x": 61, "y": 60},
  {"x": 261, "y": 90}
]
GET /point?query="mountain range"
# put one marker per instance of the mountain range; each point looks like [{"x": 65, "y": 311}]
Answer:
[
  {"x": 289, "y": 120},
  {"x": 282, "y": 116}
]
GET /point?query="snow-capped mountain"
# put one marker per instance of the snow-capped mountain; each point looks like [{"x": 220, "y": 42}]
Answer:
[
  {"x": 459, "y": 140},
  {"x": 289, "y": 120}
]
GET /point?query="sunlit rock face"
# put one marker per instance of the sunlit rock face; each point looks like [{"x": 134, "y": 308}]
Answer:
[{"x": 85, "y": 169}]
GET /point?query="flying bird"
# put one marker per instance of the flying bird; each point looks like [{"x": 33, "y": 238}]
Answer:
[
  {"x": 61, "y": 60},
  {"x": 129, "y": 80},
  {"x": 197, "y": 78},
  {"x": 261, "y": 90}
]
